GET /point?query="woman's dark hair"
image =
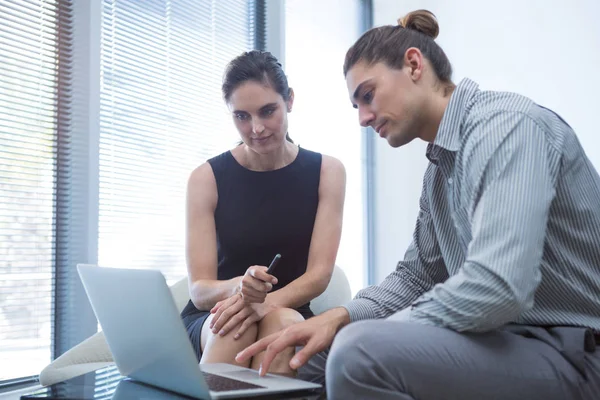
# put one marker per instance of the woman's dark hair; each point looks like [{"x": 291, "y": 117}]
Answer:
[
  {"x": 258, "y": 66},
  {"x": 389, "y": 43}
]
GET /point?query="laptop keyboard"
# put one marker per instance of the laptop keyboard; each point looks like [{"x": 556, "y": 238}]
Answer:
[{"x": 219, "y": 383}]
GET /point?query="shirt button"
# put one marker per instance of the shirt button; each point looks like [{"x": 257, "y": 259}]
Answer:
[{"x": 450, "y": 181}]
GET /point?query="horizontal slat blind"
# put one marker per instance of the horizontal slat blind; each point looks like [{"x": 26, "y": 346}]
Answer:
[
  {"x": 161, "y": 115},
  {"x": 28, "y": 135}
]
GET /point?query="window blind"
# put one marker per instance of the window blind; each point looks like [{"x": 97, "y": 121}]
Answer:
[
  {"x": 161, "y": 115},
  {"x": 30, "y": 45}
]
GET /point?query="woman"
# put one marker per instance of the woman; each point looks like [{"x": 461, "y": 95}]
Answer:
[{"x": 267, "y": 196}]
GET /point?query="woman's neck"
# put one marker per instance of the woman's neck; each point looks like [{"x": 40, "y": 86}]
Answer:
[{"x": 277, "y": 159}]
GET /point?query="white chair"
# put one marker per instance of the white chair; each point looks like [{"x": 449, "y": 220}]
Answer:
[
  {"x": 93, "y": 353},
  {"x": 337, "y": 293}
]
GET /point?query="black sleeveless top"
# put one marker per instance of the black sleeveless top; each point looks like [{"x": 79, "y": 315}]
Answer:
[{"x": 260, "y": 214}]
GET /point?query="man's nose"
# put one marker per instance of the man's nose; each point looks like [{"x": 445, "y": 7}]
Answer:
[{"x": 365, "y": 116}]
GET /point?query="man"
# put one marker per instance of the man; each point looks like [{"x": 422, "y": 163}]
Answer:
[{"x": 498, "y": 296}]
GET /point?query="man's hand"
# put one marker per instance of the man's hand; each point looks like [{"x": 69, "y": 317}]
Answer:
[
  {"x": 256, "y": 283},
  {"x": 315, "y": 334}
]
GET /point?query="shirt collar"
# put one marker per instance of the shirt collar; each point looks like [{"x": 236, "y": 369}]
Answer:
[{"x": 461, "y": 100}]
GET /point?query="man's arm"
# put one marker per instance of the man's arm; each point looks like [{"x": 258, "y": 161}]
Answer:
[
  {"x": 509, "y": 210},
  {"x": 421, "y": 268}
]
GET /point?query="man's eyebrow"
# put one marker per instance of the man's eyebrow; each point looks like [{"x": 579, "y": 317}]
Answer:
[{"x": 358, "y": 90}]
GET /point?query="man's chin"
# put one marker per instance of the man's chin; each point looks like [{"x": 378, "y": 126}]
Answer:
[{"x": 398, "y": 141}]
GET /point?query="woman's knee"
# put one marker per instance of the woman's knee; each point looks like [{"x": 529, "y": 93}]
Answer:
[
  {"x": 278, "y": 319},
  {"x": 217, "y": 348},
  {"x": 275, "y": 321}
]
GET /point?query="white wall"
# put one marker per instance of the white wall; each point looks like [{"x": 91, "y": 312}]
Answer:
[
  {"x": 547, "y": 50},
  {"x": 315, "y": 74}
]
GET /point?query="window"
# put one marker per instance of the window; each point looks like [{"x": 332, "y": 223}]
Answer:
[
  {"x": 106, "y": 107},
  {"x": 323, "y": 118},
  {"x": 161, "y": 115},
  {"x": 29, "y": 49},
  {"x": 114, "y": 196}
]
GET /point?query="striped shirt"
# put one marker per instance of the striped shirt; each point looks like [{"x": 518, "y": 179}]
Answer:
[{"x": 509, "y": 224}]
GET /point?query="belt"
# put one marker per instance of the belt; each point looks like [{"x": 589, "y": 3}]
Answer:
[{"x": 592, "y": 341}]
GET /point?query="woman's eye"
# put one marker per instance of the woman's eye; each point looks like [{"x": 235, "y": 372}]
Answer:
[
  {"x": 241, "y": 117},
  {"x": 367, "y": 97},
  {"x": 268, "y": 112}
]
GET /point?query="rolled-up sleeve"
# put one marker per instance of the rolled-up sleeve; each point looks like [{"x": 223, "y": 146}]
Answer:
[{"x": 421, "y": 268}]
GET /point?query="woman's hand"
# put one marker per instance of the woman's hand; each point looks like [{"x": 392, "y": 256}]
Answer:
[
  {"x": 233, "y": 311},
  {"x": 256, "y": 283},
  {"x": 251, "y": 289},
  {"x": 258, "y": 313},
  {"x": 224, "y": 310}
]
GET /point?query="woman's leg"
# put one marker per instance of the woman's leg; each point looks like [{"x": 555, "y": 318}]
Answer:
[
  {"x": 273, "y": 322},
  {"x": 223, "y": 349}
]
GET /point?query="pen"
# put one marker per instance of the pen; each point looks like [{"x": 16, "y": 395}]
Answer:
[{"x": 273, "y": 263}]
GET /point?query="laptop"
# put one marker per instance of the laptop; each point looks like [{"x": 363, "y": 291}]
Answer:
[{"x": 149, "y": 343}]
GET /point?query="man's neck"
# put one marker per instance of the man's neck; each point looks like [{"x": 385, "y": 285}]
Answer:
[{"x": 434, "y": 114}]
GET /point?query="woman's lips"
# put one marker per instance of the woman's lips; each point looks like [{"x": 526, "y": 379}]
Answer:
[{"x": 261, "y": 139}]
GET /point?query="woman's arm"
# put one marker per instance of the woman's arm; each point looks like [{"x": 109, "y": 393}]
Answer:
[
  {"x": 201, "y": 242},
  {"x": 324, "y": 243}
]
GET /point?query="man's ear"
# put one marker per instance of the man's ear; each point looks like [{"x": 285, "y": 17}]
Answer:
[
  {"x": 413, "y": 60},
  {"x": 290, "y": 101}
]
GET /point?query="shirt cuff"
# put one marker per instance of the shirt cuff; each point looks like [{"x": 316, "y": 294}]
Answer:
[{"x": 360, "y": 309}]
